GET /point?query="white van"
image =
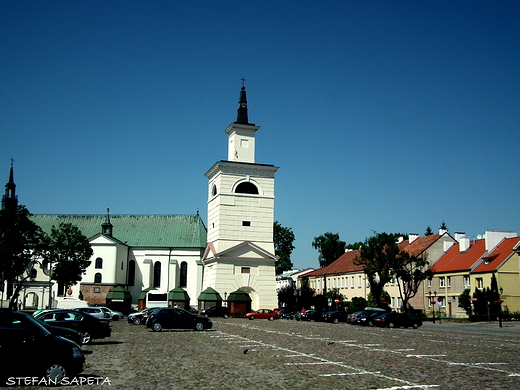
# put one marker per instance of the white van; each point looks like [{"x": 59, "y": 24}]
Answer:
[{"x": 70, "y": 303}]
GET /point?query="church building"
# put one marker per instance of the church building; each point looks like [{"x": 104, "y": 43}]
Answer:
[{"x": 153, "y": 256}]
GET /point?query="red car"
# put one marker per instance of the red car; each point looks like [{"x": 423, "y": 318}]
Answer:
[{"x": 263, "y": 314}]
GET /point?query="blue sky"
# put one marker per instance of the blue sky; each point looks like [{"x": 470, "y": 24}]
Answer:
[{"x": 385, "y": 116}]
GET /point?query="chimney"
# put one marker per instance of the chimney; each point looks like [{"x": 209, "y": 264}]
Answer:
[
  {"x": 442, "y": 231},
  {"x": 463, "y": 244},
  {"x": 493, "y": 237},
  {"x": 412, "y": 237},
  {"x": 459, "y": 235}
]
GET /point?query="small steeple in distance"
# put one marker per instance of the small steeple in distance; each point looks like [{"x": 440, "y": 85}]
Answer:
[
  {"x": 242, "y": 106},
  {"x": 106, "y": 227},
  {"x": 10, "y": 200}
]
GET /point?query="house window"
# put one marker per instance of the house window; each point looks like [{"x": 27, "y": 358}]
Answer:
[
  {"x": 246, "y": 223},
  {"x": 245, "y": 270},
  {"x": 448, "y": 281},
  {"x": 97, "y": 277},
  {"x": 442, "y": 302},
  {"x": 360, "y": 280},
  {"x": 184, "y": 274},
  {"x": 352, "y": 284},
  {"x": 131, "y": 273},
  {"x": 246, "y": 188},
  {"x": 480, "y": 283},
  {"x": 157, "y": 274},
  {"x": 99, "y": 263},
  {"x": 442, "y": 282},
  {"x": 466, "y": 282},
  {"x": 244, "y": 143},
  {"x": 97, "y": 289}
]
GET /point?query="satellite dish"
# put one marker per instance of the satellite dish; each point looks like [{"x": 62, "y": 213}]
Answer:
[{"x": 479, "y": 237}]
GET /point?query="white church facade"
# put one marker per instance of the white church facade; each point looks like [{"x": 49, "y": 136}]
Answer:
[{"x": 151, "y": 255}]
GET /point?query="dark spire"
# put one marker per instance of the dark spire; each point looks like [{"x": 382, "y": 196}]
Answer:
[
  {"x": 106, "y": 227},
  {"x": 242, "y": 106},
  {"x": 9, "y": 200}
]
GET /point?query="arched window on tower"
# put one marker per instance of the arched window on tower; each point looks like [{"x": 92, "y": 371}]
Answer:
[
  {"x": 184, "y": 274},
  {"x": 99, "y": 263},
  {"x": 131, "y": 273},
  {"x": 214, "y": 190},
  {"x": 97, "y": 278},
  {"x": 246, "y": 187},
  {"x": 157, "y": 274}
]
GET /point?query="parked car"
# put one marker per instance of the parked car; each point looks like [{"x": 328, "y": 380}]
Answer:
[
  {"x": 94, "y": 312},
  {"x": 151, "y": 310},
  {"x": 136, "y": 318},
  {"x": 315, "y": 315},
  {"x": 28, "y": 349},
  {"x": 360, "y": 317},
  {"x": 66, "y": 333},
  {"x": 336, "y": 316},
  {"x": 369, "y": 320},
  {"x": 262, "y": 314},
  {"x": 397, "y": 320},
  {"x": 174, "y": 318},
  {"x": 216, "y": 311},
  {"x": 286, "y": 314},
  {"x": 90, "y": 327},
  {"x": 114, "y": 315}
]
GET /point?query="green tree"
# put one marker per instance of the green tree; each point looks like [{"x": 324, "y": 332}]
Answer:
[
  {"x": 287, "y": 297},
  {"x": 410, "y": 271},
  {"x": 330, "y": 248},
  {"x": 429, "y": 231},
  {"x": 465, "y": 301},
  {"x": 68, "y": 253},
  {"x": 358, "y": 304},
  {"x": 305, "y": 295},
  {"x": 21, "y": 242},
  {"x": 283, "y": 238},
  {"x": 379, "y": 255}
]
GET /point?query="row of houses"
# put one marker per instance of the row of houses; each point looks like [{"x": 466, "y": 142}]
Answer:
[{"x": 457, "y": 262}]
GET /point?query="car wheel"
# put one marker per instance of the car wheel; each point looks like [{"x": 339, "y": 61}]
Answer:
[
  {"x": 371, "y": 324},
  {"x": 416, "y": 326},
  {"x": 271, "y": 318},
  {"x": 391, "y": 325},
  {"x": 87, "y": 338},
  {"x": 225, "y": 316},
  {"x": 335, "y": 320},
  {"x": 157, "y": 327},
  {"x": 115, "y": 317},
  {"x": 251, "y": 317},
  {"x": 137, "y": 321},
  {"x": 55, "y": 373},
  {"x": 199, "y": 326}
]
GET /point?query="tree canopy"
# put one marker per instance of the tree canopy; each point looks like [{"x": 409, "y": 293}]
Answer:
[
  {"x": 21, "y": 242},
  {"x": 330, "y": 248},
  {"x": 283, "y": 238},
  {"x": 69, "y": 254}
]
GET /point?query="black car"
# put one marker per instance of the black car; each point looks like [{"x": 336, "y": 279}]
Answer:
[
  {"x": 27, "y": 349},
  {"x": 336, "y": 316},
  {"x": 174, "y": 318},
  {"x": 66, "y": 333},
  {"x": 315, "y": 315},
  {"x": 216, "y": 311},
  {"x": 137, "y": 318},
  {"x": 286, "y": 314},
  {"x": 90, "y": 327},
  {"x": 397, "y": 320},
  {"x": 361, "y": 317}
]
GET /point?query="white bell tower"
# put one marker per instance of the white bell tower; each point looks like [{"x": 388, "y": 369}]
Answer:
[{"x": 240, "y": 251}]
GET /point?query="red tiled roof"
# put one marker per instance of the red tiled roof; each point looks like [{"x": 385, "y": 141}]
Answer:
[
  {"x": 497, "y": 257},
  {"x": 345, "y": 263},
  {"x": 453, "y": 260}
]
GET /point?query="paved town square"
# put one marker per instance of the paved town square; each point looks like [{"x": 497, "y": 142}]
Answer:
[{"x": 284, "y": 354}]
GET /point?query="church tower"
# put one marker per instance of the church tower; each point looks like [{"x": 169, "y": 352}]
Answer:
[
  {"x": 240, "y": 252},
  {"x": 10, "y": 200}
]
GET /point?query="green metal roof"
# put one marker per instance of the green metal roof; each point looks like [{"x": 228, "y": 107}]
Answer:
[
  {"x": 166, "y": 231},
  {"x": 119, "y": 293},
  {"x": 239, "y": 296},
  {"x": 209, "y": 294},
  {"x": 178, "y": 294}
]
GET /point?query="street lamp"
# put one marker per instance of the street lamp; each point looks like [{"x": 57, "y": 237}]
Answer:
[
  {"x": 432, "y": 302},
  {"x": 500, "y": 307}
]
